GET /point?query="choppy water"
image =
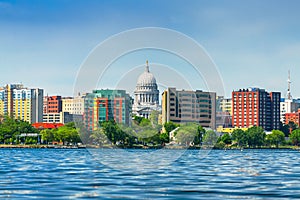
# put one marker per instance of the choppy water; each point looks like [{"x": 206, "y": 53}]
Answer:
[{"x": 231, "y": 174}]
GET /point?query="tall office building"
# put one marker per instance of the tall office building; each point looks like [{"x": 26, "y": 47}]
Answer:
[
  {"x": 182, "y": 106},
  {"x": 23, "y": 103},
  {"x": 256, "y": 107},
  {"x": 103, "y": 105}
]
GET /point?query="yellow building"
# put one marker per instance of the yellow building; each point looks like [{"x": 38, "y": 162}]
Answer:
[
  {"x": 224, "y": 104},
  {"x": 220, "y": 129},
  {"x": 23, "y": 103}
]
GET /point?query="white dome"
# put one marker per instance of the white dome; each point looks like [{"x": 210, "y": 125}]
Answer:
[{"x": 146, "y": 78}]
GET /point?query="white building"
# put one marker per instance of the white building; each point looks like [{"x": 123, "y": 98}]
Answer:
[
  {"x": 288, "y": 105},
  {"x": 73, "y": 105},
  {"x": 61, "y": 117},
  {"x": 146, "y": 94}
]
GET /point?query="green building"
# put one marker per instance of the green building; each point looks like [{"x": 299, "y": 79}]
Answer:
[{"x": 103, "y": 105}]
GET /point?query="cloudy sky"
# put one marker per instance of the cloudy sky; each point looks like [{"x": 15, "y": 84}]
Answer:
[{"x": 252, "y": 43}]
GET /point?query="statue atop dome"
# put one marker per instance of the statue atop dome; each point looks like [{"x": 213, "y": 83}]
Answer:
[{"x": 146, "y": 94}]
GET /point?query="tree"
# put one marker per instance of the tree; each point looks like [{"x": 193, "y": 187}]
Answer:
[
  {"x": 295, "y": 137},
  {"x": 275, "y": 138},
  {"x": 154, "y": 117},
  {"x": 285, "y": 129},
  {"x": 184, "y": 137},
  {"x": 170, "y": 126},
  {"x": 47, "y": 135},
  {"x": 226, "y": 138},
  {"x": 190, "y": 130},
  {"x": 210, "y": 138},
  {"x": 113, "y": 132},
  {"x": 187, "y": 133},
  {"x": 256, "y": 136},
  {"x": 240, "y": 137},
  {"x": 292, "y": 126},
  {"x": 10, "y": 129},
  {"x": 98, "y": 137},
  {"x": 164, "y": 137}
]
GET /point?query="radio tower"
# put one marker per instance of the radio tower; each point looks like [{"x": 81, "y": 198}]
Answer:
[{"x": 289, "y": 96}]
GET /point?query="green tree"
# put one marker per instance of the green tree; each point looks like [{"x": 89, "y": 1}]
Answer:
[
  {"x": 113, "y": 132},
  {"x": 240, "y": 137},
  {"x": 256, "y": 136},
  {"x": 276, "y": 138},
  {"x": 170, "y": 126},
  {"x": 188, "y": 130},
  {"x": 164, "y": 137},
  {"x": 295, "y": 137},
  {"x": 154, "y": 117},
  {"x": 47, "y": 135},
  {"x": 226, "y": 138},
  {"x": 292, "y": 126},
  {"x": 10, "y": 129},
  {"x": 284, "y": 128},
  {"x": 98, "y": 137},
  {"x": 185, "y": 137},
  {"x": 138, "y": 119},
  {"x": 210, "y": 138}
]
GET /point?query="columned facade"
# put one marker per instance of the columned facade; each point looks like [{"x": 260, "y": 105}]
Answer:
[{"x": 146, "y": 94}]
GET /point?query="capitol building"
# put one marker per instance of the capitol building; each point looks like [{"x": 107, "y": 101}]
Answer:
[{"x": 146, "y": 94}]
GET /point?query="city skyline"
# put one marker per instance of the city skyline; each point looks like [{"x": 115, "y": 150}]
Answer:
[{"x": 44, "y": 43}]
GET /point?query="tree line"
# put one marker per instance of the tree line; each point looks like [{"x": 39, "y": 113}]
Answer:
[
  {"x": 145, "y": 132},
  {"x": 11, "y": 131}
]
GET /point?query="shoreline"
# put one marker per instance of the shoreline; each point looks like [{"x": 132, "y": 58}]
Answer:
[{"x": 12, "y": 146}]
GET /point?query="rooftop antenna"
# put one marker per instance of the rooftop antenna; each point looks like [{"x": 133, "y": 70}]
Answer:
[{"x": 289, "y": 96}]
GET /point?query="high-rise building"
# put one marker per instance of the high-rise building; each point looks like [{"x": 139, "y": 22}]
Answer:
[
  {"x": 256, "y": 107},
  {"x": 146, "y": 94},
  {"x": 23, "y": 103},
  {"x": 103, "y": 105},
  {"x": 52, "y": 104},
  {"x": 181, "y": 106}
]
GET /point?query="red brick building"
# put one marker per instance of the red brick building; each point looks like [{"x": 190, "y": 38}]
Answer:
[
  {"x": 52, "y": 104},
  {"x": 256, "y": 107},
  {"x": 293, "y": 117}
]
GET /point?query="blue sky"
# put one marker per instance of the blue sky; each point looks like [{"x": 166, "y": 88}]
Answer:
[{"x": 253, "y": 43}]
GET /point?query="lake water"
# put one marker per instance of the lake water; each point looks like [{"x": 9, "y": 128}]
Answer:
[{"x": 75, "y": 173}]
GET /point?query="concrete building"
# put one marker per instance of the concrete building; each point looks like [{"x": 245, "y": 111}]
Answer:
[
  {"x": 61, "y": 117},
  {"x": 223, "y": 119},
  {"x": 224, "y": 112},
  {"x": 146, "y": 94},
  {"x": 73, "y": 105},
  {"x": 23, "y": 103},
  {"x": 224, "y": 105},
  {"x": 256, "y": 107},
  {"x": 288, "y": 106},
  {"x": 182, "y": 106},
  {"x": 103, "y": 105}
]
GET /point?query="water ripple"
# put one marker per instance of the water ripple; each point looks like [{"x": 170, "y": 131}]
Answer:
[{"x": 70, "y": 173}]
